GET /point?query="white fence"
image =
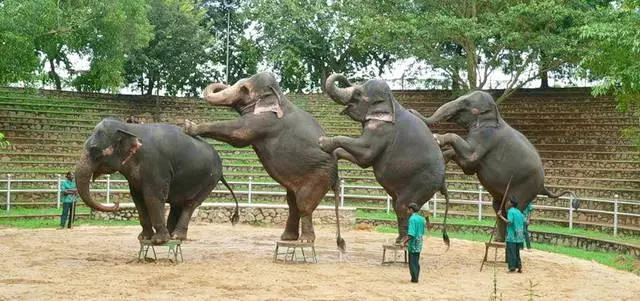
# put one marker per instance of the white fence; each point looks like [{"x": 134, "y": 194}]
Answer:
[{"x": 253, "y": 189}]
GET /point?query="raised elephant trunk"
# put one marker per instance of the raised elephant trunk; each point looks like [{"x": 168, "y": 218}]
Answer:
[
  {"x": 339, "y": 95},
  {"x": 444, "y": 112},
  {"x": 84, "y": 172},
  {"x": 219, "y": 94}
]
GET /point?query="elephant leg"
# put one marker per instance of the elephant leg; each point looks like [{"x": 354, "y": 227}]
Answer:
[
  {"x": 188, "y": 208},
  {"x": 501, "y": 226},
  {"x": 172, "y": 220},
  {"x": 155, "y": 198},
  {"x": 401, "y": 208},
  {"x": 308, "y": 198},
  {"x": 143, "y": 216},
  {"x": 291, "y": 230}
]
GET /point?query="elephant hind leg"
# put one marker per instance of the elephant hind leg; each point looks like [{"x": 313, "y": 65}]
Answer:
[
  {"x": 172, "y": 219},
  {"x": 308, "y": 198},
  {"x": 292, "y": 229}
]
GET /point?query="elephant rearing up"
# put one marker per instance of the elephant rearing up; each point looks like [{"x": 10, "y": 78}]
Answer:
[
  {"x": 285, "y": 139},
  {"x": 406, "y": 160},
  {"x": 499, "y": 155}
]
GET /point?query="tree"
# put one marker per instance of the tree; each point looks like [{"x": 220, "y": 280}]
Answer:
[
  {"x": 176, "y": 57},
  {"x": 305, "y": 41},
  {"x": 244, "y": 52},
  {"x": 3, "y": 141},
  {"x": 39, "y": 32},
  {"x": 614, "y": 56},
  {"x": 468, "y": 41}
]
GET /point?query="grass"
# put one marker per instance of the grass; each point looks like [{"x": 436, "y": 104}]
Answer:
[
  {"x": 40, "y": 211},
  {"x": 617, "y": 261},
  {"x": 54, "y": 223},
  {"x": 634, "y": 240}
]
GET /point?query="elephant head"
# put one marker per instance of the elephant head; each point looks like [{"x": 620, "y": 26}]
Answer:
[
  {"x": 260, "y": 92},
  {"x": 471, "y": 110},
  {"x": 107, "y": 150},
  {"x": 372, "y": 100}
]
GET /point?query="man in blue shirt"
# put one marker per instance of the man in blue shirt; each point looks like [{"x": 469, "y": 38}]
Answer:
[
  {"x": 515, "y": 234},
  {"x": 413, "y": 241},
  {"x": 68, "y": 199}
]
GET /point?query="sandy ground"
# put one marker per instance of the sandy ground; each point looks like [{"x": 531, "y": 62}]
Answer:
[{"x": 235, "y": 263}]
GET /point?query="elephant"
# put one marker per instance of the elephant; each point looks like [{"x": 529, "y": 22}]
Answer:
[
  {"x": 161, "y": 164},
  {"x": 285, "y": 139},
  {"x": 503, "y": 159},
  {"x": 406, "y": 159}
]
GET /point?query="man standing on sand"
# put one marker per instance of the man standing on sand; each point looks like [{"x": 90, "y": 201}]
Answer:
[
  {"x": 413, "y": 240},
  {"x": 515, "y": 234},
  {"x": 69, "y": 193}
]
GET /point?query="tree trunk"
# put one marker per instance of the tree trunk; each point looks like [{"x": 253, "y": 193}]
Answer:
[
  {"x": 152, "y": 84},
  {"x": 472, "y": 71},
  {"x": 544, "y": 73},
  {"x": 54, "y": 75}
]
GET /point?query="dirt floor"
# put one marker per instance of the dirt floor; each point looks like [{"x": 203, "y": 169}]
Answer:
[{"x": 235, "y": 263}]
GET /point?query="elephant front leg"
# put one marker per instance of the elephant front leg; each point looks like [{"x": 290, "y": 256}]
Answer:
[
  {"x": 143, "y": 217},
  {"x": 155, "y": 207},
  {"x": 238, "y": 133},
  {"x": 291, "y": 230},
  {"x": 467, "y": 153}
]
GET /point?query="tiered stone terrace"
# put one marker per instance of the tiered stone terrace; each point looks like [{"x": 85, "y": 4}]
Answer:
[{"x": 578, "y": 136}]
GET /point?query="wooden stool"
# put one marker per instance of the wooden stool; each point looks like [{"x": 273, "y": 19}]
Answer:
[
  {"x": 290, "y": 254},
  {"x": 496, "y": 245},
  {"x": 174, "y": 250},
  {"x": 395, "y": 248}
]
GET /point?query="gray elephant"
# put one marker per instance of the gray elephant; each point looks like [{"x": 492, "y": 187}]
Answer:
[
  {"x": 161, "y": 164},
  {"x": 499, "y": 155},
  {"x": 406, "y": 159},
  {"x": 285, "y": 139}
]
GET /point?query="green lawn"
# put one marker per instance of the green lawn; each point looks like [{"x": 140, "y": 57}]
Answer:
[
  {"x": 54, "y": 223},
  {"x": 634, "y": 240},
  {"x": 617, "y": 261}
]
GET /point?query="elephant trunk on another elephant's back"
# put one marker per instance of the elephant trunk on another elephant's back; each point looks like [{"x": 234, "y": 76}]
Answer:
[
  {"x": 84, "y": 173},
  {"x": 444, "y": 112}
]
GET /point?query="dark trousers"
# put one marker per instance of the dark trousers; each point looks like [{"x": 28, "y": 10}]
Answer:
[
  {"x": 513, "y": 255},
  {"x": 414, "y": 266},
  {"x": 68, "y": 214}
]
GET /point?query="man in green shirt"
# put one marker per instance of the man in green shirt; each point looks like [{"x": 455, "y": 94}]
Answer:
[
  {"x": 413, "y": 241},
  {"x": 515, "y": 234},
  {"x": 68, "y": 199}
]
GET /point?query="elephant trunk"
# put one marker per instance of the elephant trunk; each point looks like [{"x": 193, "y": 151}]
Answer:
[
  {"x": 219, "y": 94},
  {"x": 444, "y": 112},
  {"x": 339, "y": 95},
  {"x": 84, "y": 172}
]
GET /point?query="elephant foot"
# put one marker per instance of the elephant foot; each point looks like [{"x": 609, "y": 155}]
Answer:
[
  {"x": 160, "y": 238},
  {"x": 399, "y": 239},
  {"x": 189, "y": 127},
  {"x": 289, "y": 236},
  {"x": 145, "y": 235},
  {"x": 498, "y": 239},
  {"x": 308, "y": 237},
  {"x": 179, "y": 235}
]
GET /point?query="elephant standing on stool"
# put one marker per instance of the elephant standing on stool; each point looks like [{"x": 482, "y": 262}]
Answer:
[
  {"x": 161, "y": 164},
  {"x": 405, "y": 157},
  {"x": 499, "y": 155},
  {"x": 285, "y": 139}
]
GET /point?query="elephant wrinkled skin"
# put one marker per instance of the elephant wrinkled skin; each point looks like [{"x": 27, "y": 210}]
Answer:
[
  {"x": 285, "y": 139},
  {"x": 406, "y": 159},
  {"x": 161, "y": 164},
  {"x": 498, "y": 154}
]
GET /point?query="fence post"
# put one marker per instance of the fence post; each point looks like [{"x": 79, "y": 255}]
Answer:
[
  {"x": 570, "y": 215},
  {"x": 615, "y": 215},
  {"x": 8, "y": 192},
  {"x": 435, "y": 205},
  {"x": 59, "y": 193},
  {"x": 108, "y": 188},
  {"x": 388, "y": 203},
  {"x": 250, "y": 187},
  {"x": 479, "y": 202},
  {"x": 341, "y": 192}
]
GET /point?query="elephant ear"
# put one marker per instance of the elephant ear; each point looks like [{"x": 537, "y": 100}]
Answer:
[
  {"x": 269, "y": 104},
  {"x": 130, "y": 144},
  {"x": 486, "y": 109}
]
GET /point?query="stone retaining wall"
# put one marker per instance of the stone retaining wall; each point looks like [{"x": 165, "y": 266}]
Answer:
[{"x": 249, "y": 214}]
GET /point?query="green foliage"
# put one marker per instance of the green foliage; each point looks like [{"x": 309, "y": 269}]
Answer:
[
  {"x": 176, "y": 57},
  {"x": 467, "y": 41},
  {"x": 3, "y": 141},
  {"x": 306, "y": 41},
  {"x": 38, "y": 32}
]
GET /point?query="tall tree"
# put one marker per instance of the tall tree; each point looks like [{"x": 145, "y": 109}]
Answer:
[
  {"x": 176, "y": 58},
  {"x": 50, "y": 30},
  {"x": 305, "y": 41},
  {"x": 470, "y": 40}
]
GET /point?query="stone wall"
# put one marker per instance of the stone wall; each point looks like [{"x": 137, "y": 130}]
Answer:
[{"x": 249, "y": 214}]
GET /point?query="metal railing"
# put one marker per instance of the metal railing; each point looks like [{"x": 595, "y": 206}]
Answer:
[{"x": 251, "y": 191}]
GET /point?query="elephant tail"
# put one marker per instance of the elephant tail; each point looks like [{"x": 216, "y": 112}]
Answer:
[
  {"x": 445, "y": 237},
  {"x": 575, "y": 201},
  {"x": 236, "y": 216},
  {"x": 342, "y": 245}
]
